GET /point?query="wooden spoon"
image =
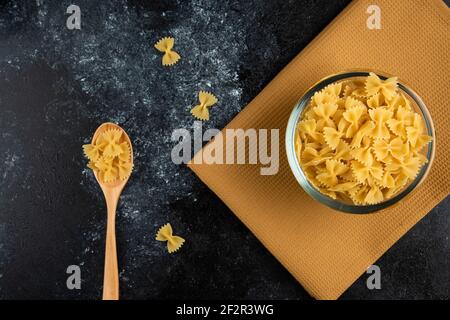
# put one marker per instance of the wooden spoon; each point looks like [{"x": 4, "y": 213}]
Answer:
[{"x": 112, "y": 191}]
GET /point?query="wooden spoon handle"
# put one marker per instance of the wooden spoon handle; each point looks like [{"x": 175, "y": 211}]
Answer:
[{"x": 111, "y": 275}]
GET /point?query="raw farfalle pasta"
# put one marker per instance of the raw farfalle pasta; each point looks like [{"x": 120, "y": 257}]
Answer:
[
  {"x": 207, "y": 100},
  {"x": 165, "y": 45},
  {"x": 360, "y": 141},
  {"x": 173, "y": 242},
  {"x": 387, "y": 88},
  {"x": 109, "y": 156}
]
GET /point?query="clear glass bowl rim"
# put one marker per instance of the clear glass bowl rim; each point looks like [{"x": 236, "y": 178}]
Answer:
[{"x": 301, "y": 177}]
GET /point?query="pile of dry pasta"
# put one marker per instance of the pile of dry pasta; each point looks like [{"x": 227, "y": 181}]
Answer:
[
  {"x": 109, "y": 156},
  {"x": 360, "y": 140}
]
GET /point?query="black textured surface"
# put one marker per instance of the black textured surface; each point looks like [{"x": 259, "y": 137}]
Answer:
[{"x": 58, "y": 85}]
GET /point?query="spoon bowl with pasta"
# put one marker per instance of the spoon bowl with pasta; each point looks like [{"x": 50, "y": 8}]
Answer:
[{"x": 111, "y": 159}]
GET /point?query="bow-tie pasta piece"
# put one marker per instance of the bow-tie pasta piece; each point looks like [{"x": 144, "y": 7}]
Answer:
[
  {"x": 313, "y": 154},
  {"x": 353, "y": 116},
  {"x": 409, "y": 166},
  {"x": 403, "y": 118},
  {"x": 207, "y": 100},
  {"x": 308, "y": 130},
  {"x": 334, "y": 169},
  {"x": 111, "y": 138},
  {"x": 395, "y": 148},
  {"x": 399, "y": 100},
  {"x": 400, "y": 182},
  {"x": 374, "y": 195},
  {"x": 124, "y": 169},
  {"x": 325, "y": 111},
  {"x": 364, "y": 154},
  {"x": 388, "y": 87},
  {"x": 354, "y": 89},
  {"x": 375, "y": 101},
  {"x": 165, "y": 233},
  {"x": 342, "y": 151},
  {"x": 165, "y": 45},
  {"x": 388, "y": 180},
  {"x": 364, "y": 131},
  {"x": 359, "y": 197},
  {"x": 360, "y": 141},
  {"x": 332, "y": 137},
  {"x": 415, "y": 135},
  {"x": 322, "y": 97},
  {"x": 351, "y": 103},
  {"x": 367, "y": 174},
  {"x": 107, "y": 170},
  {"x": 380, "y": 116},
  {"x": 333, "y": 89},
  {"x": 92, "y": 152}
]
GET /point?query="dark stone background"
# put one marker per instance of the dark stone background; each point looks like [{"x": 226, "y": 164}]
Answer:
[{"x": 57, "y": 86}]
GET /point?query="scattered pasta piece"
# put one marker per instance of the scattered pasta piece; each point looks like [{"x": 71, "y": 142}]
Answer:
[
  {"x": 110, "y": 156},
  {"x": 206, "y": 100},
  {"x": 165, "y": 45},
  {"x": 360, "y": 141},
  {"x": 173, "y": 242}
]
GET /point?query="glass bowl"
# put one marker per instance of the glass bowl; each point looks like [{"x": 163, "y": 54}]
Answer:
[{"x": 416, "y": 103}]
